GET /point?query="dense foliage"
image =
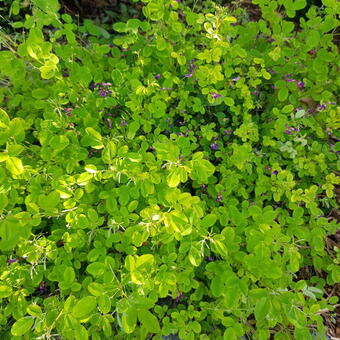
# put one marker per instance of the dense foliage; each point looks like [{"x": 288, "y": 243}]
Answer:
[{"x": 172, "y": 176}]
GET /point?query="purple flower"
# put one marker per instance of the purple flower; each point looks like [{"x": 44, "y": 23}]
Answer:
[
  {"x": 204, "y": 187},
  {"x": 214, "y": 146},
  {"x": 227, "y": 132},
  {"x": 300, "y": 84},
  {"x": 105, "y": 84},
  {"x": 215, "y": 95},
  {"x": 312, "y": 52},
  {"x": 219, "y": 198},
  {"x": 331, "y": 103},
  {"x": 157, "y": 76},
  {"x": 151, "y": 148},
  {"x": 210, "y": 259},
  {"x": 321, "y": 107},
  {"x": 288, "y": 132},
  {"x": 271, "y": 71},
  {"x": 236, "y": 78},
  {"x": 123, "y": 123},
  {"x": 10, "y": 261},
  {"x": 103, "y": 93},
  {"x": 65, "y": 75},
  {"x": 68, "y": 111},
  {"x": 111, "y": 45},
  {"x": 289, "y": 80},
  {"x": 273, "y": 87},
  {"x": 268, "y": 168},
  {"x": 179, "y": 297},
  {"x": 188, "y": 75},
  {"x": 93, "y": 86},
  {"x": 275, "y": 172},
  {"x": 270, "y": 40}
]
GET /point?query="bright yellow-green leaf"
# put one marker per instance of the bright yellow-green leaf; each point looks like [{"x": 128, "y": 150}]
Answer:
[
  {"x": 173, "y": 178},
  {"x": 14, "y": 165},
  {"x": 84, "y": 307},
  {"x": 149, "y": 321},
  {"x": 22, "y": 326}
]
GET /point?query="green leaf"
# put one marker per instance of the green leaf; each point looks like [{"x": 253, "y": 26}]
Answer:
[
  {"x": 217, "y": 285},
  {"x": 209, "y": 220},
  {"x": 84, "y": 307},
  {"x": 129, "y": 320},
  {"x": 201, "y": 170},
  {"x": 47, "y": 6},
  {"x": 167, "y": 151},
  {"x": 145, "y": 260},
  {"x": 132, "y": 129},
  {"x": 34, "y": 310},
  {"x": 96, "y": 135},
  {"x": 173, "y": 179},
  {"x": 96, "y": 289},
  {"x": 119, "y": 27},
  {"x": 69, "y": 275},
  {"x": 313, "y": 39},
  {"x": 220, "y": 248},
  {"x": 22, "y": 326},
  {"x": 47, "y": 71},
  {"x": 104, "y": 303},
  {"x": 12, "y": 230},
  {"x": 157, "y": 109},
  {"x": 109, "y": 152},
  {"x": 230, "y": 334},
  {"x": 262, "y": 309},
  {"x": 283, "y": 94},
  {"x": 5, "y": 291},
  {"x": 4, "y": 119},
  {"x": 14, "y": 165},
  {"x": 96, "y": 269},
  {"x": 40, "y": 93},
  {"x": 149, "y": 321},
  {"x": 3, "y": 156},
  {"x": 195, "y": 256},
  {"x": 130, "y": 263},
  {"x": 299, "y": 4},
  {"x": 116, "y": 76},
  {"x": 92, "y": 138}
]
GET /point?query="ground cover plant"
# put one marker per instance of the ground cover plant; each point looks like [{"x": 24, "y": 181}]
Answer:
[{"x": 171, "y": 174}]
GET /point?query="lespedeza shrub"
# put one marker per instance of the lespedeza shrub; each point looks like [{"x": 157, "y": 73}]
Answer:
[{"x": 172, "y": 174}]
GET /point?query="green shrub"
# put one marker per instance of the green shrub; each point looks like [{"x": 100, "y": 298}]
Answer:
[{"x": 174, "y": 175}]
